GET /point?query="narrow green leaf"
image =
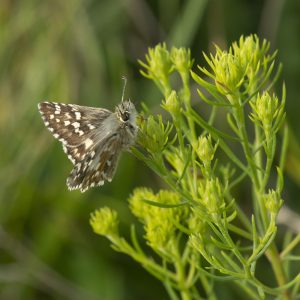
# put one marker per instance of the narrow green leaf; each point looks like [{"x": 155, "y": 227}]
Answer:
[{"x": 165, "y": 205}]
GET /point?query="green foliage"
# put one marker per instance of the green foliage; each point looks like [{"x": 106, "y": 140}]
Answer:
[{"x": 197, "y": 229}]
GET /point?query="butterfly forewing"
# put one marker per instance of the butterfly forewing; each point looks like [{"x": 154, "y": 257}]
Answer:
[{"x": 73, "y": 125}]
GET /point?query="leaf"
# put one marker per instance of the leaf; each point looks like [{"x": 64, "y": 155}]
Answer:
[{"x": 165, "y": 205}]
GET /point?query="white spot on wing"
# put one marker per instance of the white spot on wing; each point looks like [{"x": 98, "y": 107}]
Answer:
[
  {"x": 71, "y": 158},
  {"x": 76, "y": 125},
  {"x": 78, "y": 115},
  {"x": 88, "y": 143},
  {"x": 80, "y": 132}
]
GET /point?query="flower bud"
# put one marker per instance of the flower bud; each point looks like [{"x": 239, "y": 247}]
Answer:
[
  {"x": 252, "y": 56},
  {"x": 204, "y": 149},
  {"x": 158, "y": 221},
  {"x": 155, "y": 134},
  {"x": 104, "y": 221},
  {"x": 248, "y": 51},
  {"x": 181, "y": 58},
  {"x": 212, "y": 197},
  {"x": 172, "y": 105},
  {"x": 272, "y": 201},
  {"x": 265, "y": 109},
  {"x": 158, "y": 66},
  {"x": 229, "y": 73}
]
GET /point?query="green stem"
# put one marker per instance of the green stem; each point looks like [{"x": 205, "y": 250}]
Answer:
[
  {"x": 180, "y": 272},
  {"x": 153, "y": 268},
  {"x": 258, "y": 154},
  {"x": 240, "y": 120},
  {"x": 230, "y": 242},
  {"x": 263, "y": 177},
  {"x": 277, "y": 266},
  {"x": 187, "y": 102},
  {"x": 272, "y": 252},
  {"x": 270, "y": 157},
  {"x": 208, "y": 287},
  {"x": 239, "y": 231},
  {"x": 290, "y": 246},
  {"x": 251, "y": 293}
]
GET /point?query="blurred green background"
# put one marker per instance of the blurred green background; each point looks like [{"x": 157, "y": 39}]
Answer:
[{"x": 76, "y": 51}]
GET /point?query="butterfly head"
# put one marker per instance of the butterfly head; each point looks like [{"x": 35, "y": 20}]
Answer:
[{"x": 126, "y": 112}]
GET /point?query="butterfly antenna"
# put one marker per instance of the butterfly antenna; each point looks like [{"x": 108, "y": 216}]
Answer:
[{"x": 124, "y": 87}]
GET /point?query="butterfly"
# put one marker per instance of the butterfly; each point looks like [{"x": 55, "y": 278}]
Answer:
[{"x": 93, "y": 138}]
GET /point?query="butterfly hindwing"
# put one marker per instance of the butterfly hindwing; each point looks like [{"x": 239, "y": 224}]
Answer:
[{"x": 98, "y": 166}]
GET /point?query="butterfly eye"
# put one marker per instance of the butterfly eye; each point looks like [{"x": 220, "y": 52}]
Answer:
[{"x": 125, "y": 116}]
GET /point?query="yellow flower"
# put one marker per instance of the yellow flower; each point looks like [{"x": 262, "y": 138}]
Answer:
[{"x": 104, "y": 221}]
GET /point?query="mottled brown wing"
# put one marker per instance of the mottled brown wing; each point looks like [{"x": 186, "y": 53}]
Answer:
[
  {"x": 98, "y": 166},
  {"x": 75, "y": 126}
]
